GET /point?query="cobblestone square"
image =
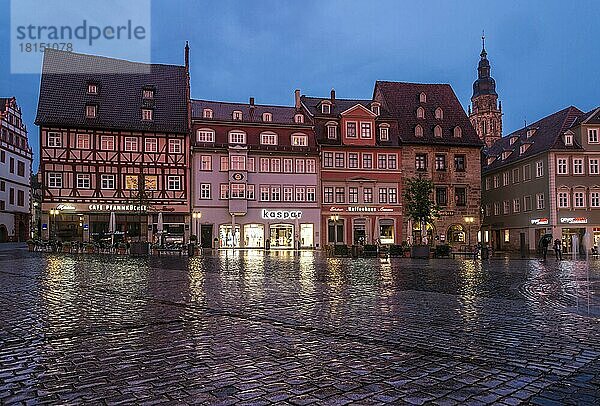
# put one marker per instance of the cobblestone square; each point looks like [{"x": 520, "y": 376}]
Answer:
[{"x": 260, "y": 328}]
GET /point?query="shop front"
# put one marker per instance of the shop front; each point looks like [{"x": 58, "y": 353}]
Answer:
[
  {"x": 362, "y": 225},
  {"x": 573, "y": 234}
]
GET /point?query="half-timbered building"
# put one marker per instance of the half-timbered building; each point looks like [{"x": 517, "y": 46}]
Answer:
[{"x": 113, "y": 140}]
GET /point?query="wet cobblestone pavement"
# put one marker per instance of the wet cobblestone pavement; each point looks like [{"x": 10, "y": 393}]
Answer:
[{"x": 250, "y": 328}]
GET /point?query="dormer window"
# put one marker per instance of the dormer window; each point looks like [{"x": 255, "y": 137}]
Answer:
[
  {"x": 457, "y": 132},
  {"x": 148, "y": 93},
  {"x": 420, "y": 112},
  {"x": 506, "y": 154},
  {"x": 523, "y": 148},
  {"x": 237, "y": 137},
  {"x": 299, "y": 140},
  {"x": 92, "y": 88},
  {"x": 299, "y": 118},
  {"x": 237, "y": 115},
  {"x": 375, "y": 109},
  {"x": 422, "y": 98},
  {"x": 147, "y": 114},
  {"x": 568, "y": 139},
  {"x": 331, "y": 130},
  {"x": 512, "y": 140},
  {"x": 530, "y": 132},
  {"x": 268, "y": 139},
  {"x": 418, "y": 131},
  {"x": 491, "y": 160},
  {"x": 207, "y": 113},
  {"x": 439, "y": 113},
  {"x": 91, "y": 111},
  {"x": 325, "y": 108},
  {"x": 267, "y": 117},
  {"x": 384, "y": 133},
  {"x": 437, "y": 131}
]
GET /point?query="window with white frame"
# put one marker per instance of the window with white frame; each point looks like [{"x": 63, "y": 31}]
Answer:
[
  {"x": 148, "y": 93},
  {"x": 383, "y": 195},
  {"x": 351, "y": 129},
  {"x": 392, "y": 195},
  {"x": 175, "y": 147},
  {"x": 437, "y": 131},
  {"x": 249, "y": 192},
  {"x": 107, "y": 143},
  {"x": 418, "y": 131},
  {"x": 288, "y": 193},
  {"x": 53, "y": 139},
  {"x": 328, "y": 159},
  {"x": 352, "y": 160},
  {"x": 147, "y": 114},
  {"x": 264, "y": 164},
  {"x": 311, "y": 194},
  {"x": 207, "y": 113},
  {"x": 91, "y": 111},
  {"x": 224, "y": 164},
  {"x": 325, "y": 108},
  {"x": 237, "y": 115},
  {"x": 174, "y": 182},
  {"x": 340, "y": 195},
  {"x": 331, "y": 132},
  {"x": 55, "y": 180},
  {"x": 299, "y": 140},
  {"x": 299, "y": 118},
  {"x": 367, "y": 161},
  {"x": 268, "y": 139},
  {"x": 568, "y": 139},
  {"x": 206, "y": 163},
  {"x": 340, "y": 160},
  {"x": 594, "y": 166},
  {"x": 300, "y": 193},
  {"x": 205, "y": 191},
  {"x": 367, "y": 195},
  {"x": 267, "y": 117},
  {"x": 577, "y": 166},
  {"x": 457, "y": 132},
  {"x": 224, "y": 191},
  {"x": 352, "y": 195},
  {"x": 275, "y": 193},
  {"x": 288, "y": 165},
  {"x": 250, "y": 164},
  {"x": 540, "y": 201},
  {"x": 107, "y": 181},
  {"x": 384, "y": 134},
  {"x": 375, "y": 109},
  {"x": 579, "y": 199},
  {"x": 365, "y": 130},
  {"x": 131, "y": 144},
  {"x": 381, "y": 161},
  {"x": 83, "y": 181},
  {"x": 392, "y": 161},
  {"x": 527, "y": 203},
  {"x": 488, "y": 183},
  {"x": 595, "y": 199},
  {"x": 151, "y": 145},
  {"x": 439, "y": 113},
  {"x": 92, "y": 88},
  {"x": 496, "y": 208},
  {"x": 83, "y": 141},
  {"x": 276, "y": 165},
  {"x": 327, "y": 194},
  {"x": 496, "y": 182},
  {"x": 300, "y": 165},
  {"x": 539, "y": 169},
  {"x": 593, "y": 135},
  {"x": 506, "y": 207},
  {"x": 562, "y": 168},
  {"x": 488, "y": 210},
  {"x": 420, "y": 112},
  {"x": 238, "y": 163},
  {"x": 516, "y": 205},
  {"x": 237, "y": 190},
  {"x": 236, "y": 137},
  {"x": 505, "y": 178},
  {"x": 563, "y": 200},
  {"x": 422, "y": 98},
  {"x": 311, "y": 166},
  {"x": 205, "y": 135}
]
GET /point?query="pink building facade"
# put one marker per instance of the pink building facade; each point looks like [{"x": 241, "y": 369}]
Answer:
[{"x": 255, "y": 173}]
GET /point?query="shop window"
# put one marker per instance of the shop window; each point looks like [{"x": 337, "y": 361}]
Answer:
[
  {"x": 386, "y": 231},
  {"x": 307, "y": 235},
  {"x": 229, "y": 237},
  {"x": 254, "y": 236},
  {"x": 282, "y": 236}
]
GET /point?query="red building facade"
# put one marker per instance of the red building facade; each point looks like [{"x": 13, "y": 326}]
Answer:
[{"x": 360, "y": 171}]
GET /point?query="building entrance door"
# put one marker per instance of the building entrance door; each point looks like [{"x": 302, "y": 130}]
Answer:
[{"x": 206, "y": 232}]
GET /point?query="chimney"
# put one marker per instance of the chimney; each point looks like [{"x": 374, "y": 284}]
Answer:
[
  {"x": 297, "y": 99},
  {"x": 187, "y": 56},
  {"x": 332, "y": 95},
  {"x": 252, "y": 101}
]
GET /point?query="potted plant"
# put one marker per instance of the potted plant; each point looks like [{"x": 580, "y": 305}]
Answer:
[{"x": 422, "y": 209}]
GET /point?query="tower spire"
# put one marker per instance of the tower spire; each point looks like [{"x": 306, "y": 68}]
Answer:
[{"x": 483, "y": 51}]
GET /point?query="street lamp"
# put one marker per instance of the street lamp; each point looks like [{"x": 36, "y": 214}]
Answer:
[
  {"x": 335, "y": 219},
  {"x": 53, "y": 213},
  {"x": 197, "y": 216},
  {"x": 469, "y": 221}
]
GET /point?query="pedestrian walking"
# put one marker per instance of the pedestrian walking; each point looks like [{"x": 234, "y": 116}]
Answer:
[
  {"x": 545, "y": 243},
  {"x": 558, "y": 249}
]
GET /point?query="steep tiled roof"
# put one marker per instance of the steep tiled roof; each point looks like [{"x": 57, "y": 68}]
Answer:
[
  {"x": 63, "y": 93},
  {"x": 402, "y": 101},
  {"x": 313, "y": 104},
  {"x": 223, "y": 111},
  {"x": 591, "y": 117},
  {"x": 546, "y": 135}
]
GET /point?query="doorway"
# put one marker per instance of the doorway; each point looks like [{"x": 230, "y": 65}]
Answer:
[
  {"x": 206, "y": 233},
  {"x": 3, "y": 233}
]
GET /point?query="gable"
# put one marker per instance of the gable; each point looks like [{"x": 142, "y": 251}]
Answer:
[{"x": 358, "y": 110}]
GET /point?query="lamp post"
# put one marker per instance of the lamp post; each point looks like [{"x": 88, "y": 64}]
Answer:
[
  {"x": 469, "y": 221},
  {"x": 197, "y": 216}
]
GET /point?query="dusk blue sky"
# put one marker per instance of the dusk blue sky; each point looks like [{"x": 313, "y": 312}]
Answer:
[{"x": 544, "y": 54}]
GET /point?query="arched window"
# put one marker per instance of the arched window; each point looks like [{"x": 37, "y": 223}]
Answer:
[
  {"x": 237, "y": 115},
  {"x": 439, "y": 113},
  {"x": 237, "y": 137},
  {"x": 331, "y": 130},
  {"x": 384, "y": 132},
  {"x": 299, "y": 118},
  {"x": 437, "y": 131},
  {"x": 325, "y": 107},
  {"x": 420, "y": 112},
  {"x": 267, "y": 117},
  {"x": 205, "y": 135},
  {"x": 457, "y": 132},
  {"x": 422, "y": 98},
  {"x": 207, "y": 113},
  {"x": 299, "y": 140},
  {"x": 418, "y": 131},
  {"x": 268, "y": 138}
]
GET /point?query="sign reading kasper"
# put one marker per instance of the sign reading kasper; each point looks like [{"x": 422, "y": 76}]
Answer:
[{"x": 281, "y": 214}]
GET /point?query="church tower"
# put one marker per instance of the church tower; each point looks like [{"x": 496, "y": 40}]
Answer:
[{"x": 486, "y": 114}]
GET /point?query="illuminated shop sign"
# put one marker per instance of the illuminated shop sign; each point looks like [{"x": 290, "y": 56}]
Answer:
[
  {"x": 573, "y": 220},
  {"x": 117, "y": 207},
  {"x": 540, "y": 222},
  {"x": 62, "y": 207},
  {"x": 281, "y": 214},
  {"x": 361, "y": 209}
]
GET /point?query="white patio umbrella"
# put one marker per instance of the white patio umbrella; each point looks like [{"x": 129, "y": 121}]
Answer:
[
  {"x": 112, "y": 227},
  {"x": 159, "y": 227}
]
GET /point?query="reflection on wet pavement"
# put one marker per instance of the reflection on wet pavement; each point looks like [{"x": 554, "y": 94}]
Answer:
[{"x": 250, "y": 327}]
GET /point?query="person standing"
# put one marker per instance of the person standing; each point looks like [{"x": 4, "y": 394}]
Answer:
[
  {"x": 545, "y": 243},
  {"x": 558, "y": 249}
]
